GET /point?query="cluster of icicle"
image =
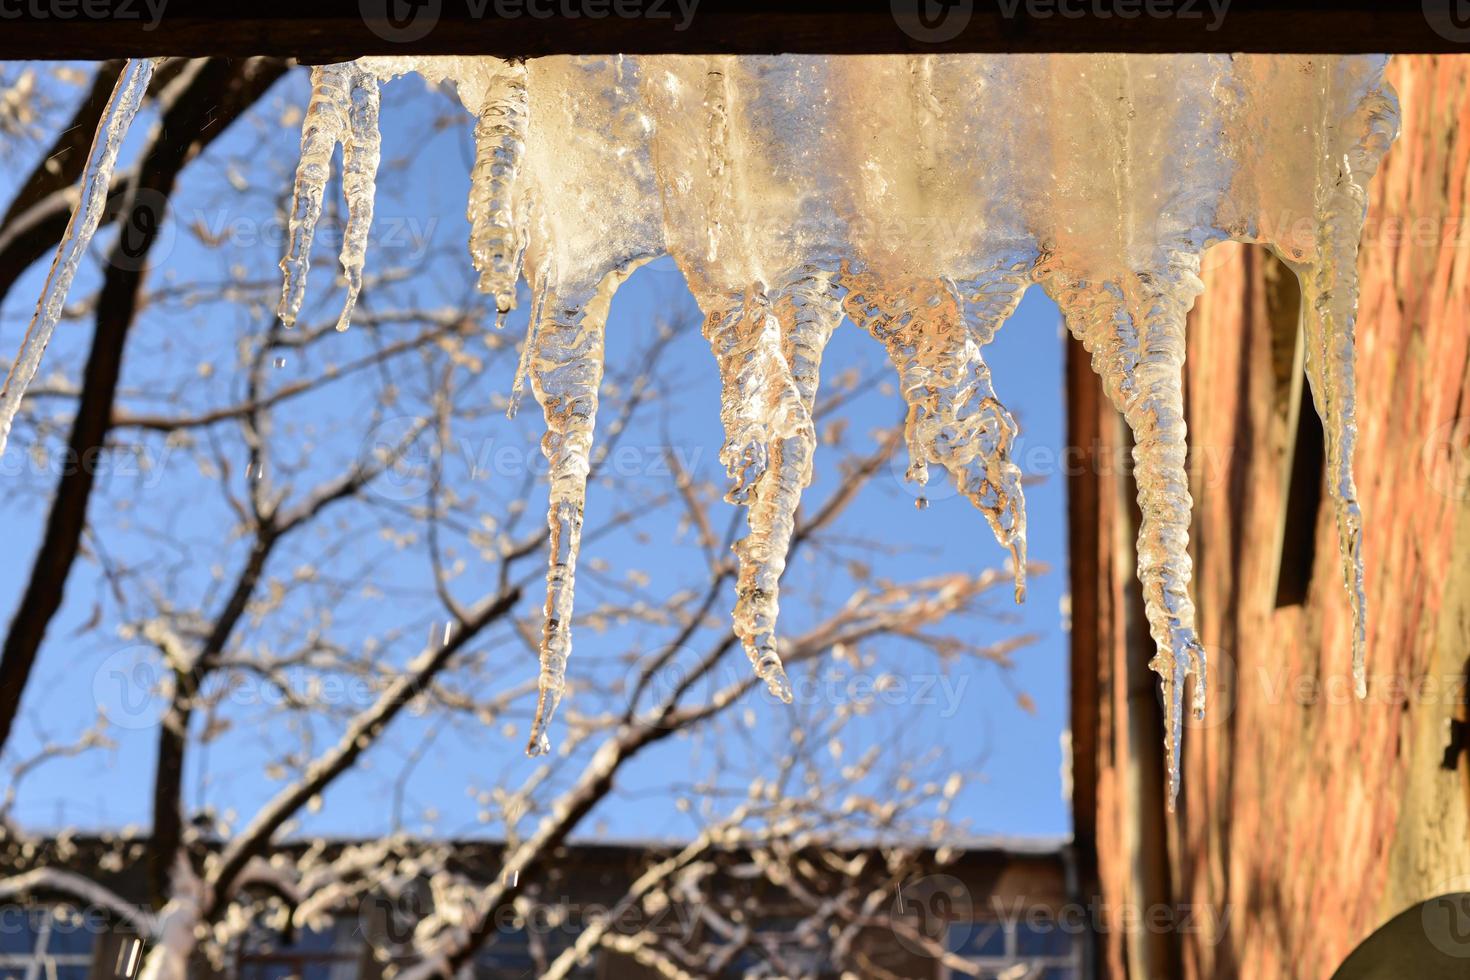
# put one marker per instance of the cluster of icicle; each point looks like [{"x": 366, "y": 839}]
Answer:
[{"x": 918, "y": 196}]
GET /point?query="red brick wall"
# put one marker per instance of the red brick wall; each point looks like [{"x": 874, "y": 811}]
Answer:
[{"x": 1307, "y": 818}]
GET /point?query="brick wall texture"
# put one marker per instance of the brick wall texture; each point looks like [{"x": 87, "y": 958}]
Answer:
[{"x": 1307, "y": 818}]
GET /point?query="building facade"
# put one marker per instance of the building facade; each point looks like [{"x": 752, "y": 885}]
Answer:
[
  {"x": 1307, "y": 819},
  {"x": 1009, "y": 908}
]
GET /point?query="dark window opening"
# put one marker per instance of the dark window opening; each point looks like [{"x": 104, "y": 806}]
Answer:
[{"x": 1303, "y": 501}]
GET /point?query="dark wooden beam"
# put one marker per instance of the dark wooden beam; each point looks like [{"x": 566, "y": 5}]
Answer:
[{"x": 332, "y": 30}]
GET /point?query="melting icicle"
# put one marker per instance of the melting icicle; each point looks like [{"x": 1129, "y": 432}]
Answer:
[
  {"x": 518, "y": 383},
  {"x": 934, "y": 335},
  {"x": 343, "y": 109},
  {"x": 776, "y": 361},
  {"x": 112, "y": 128},
  {"x": 496, "y": 211},
  {"x": 1135, "y": 333},
  {"x": 324, "y": 126},
  {"x": 1329, "y": 304},
  {"x": 566, "y": 372},
  {"x": 1122, "y": 262},
  {"x": 992, "y": 481},
  {"x": 595, "y": 224},
  {"x": 759, "y": 403},
  {"x": 361, "y": 151}
]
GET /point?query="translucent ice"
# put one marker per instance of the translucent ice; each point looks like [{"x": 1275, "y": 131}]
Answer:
[
  {"x": 112, "y": 128},
  {"x": 497, "y": 206},
  {"x": 920, "y": 195}
]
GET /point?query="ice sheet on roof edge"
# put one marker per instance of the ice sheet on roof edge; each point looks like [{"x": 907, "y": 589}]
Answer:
[{"x": 917, "y": 195}]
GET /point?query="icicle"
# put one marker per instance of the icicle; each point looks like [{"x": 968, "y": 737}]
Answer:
[
  {"x": 993, "y": 481},
  {"x": 770, "y": 358},
  {"x": 326, "y": 124},
  {"x": 518, "y": 383},
  {"x": 112, "y": 128},
  {"x": 1135, "y": 332},
  {"x": 497, "y": 233},
  {"x": 934, "y": 332},
  {"x": 1329, "y": 305},
  {"x": 565, "y": 359},
  {"x": 717, "y": 128},
  {"x": 758, "y": 402},
  {"x": 361, "y": 150}
]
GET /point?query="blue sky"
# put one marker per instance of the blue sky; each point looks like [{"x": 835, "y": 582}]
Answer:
[{"x": 1014, "y": 756}]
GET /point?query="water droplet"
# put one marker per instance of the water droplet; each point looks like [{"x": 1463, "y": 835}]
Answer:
[
  {"x": 280, "y": 362},
  {"x": 128, "y": 955},
  {"x": 512, "y": 877},
  {"x": 921, "y": 503}
]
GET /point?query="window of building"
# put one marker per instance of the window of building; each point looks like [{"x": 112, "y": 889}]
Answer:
[
  {"x": 334, "y": 953},
  {"x": 1028, "y": 949},
  {"x": 802, "y": 953},
  {"x": 520, "y": 955},
  {"x": 46, "y": 944},
  {"x": 1304, "y": 451}
]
